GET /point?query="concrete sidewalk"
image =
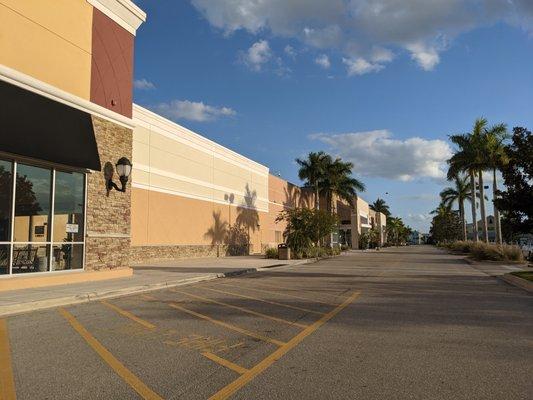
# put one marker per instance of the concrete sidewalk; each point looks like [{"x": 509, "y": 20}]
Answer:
[{"x": 146, "y": 277}]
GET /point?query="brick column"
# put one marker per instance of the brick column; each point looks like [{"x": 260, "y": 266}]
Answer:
[{"x": 108, "y": 212}]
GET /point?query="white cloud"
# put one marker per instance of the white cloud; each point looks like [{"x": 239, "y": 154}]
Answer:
[
  {"x": 356, "y": 28},
  {"x": 360, "y": 66},
  {"x": 419, "y": 217},
  {"x": 426, "y": 56},
  {"x": 377, "y": 154},
  {"x": 143, "y": 84},
  {"x": 323, "y": 61},
  {"x": 192, "y": 111},
  {"x": 257, "y": 55},
  {"x": 289, "y": 50}
]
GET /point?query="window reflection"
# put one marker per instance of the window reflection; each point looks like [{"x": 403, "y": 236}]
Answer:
[
  {"x": 67, "y": 256},
  {"x": 32, "y": 203},
  {"x": 69, "y": 207},
  {"x": 30, "y": 258},
  {"x": 4, "y": 259},
  {"x": 6, "y": 187}
]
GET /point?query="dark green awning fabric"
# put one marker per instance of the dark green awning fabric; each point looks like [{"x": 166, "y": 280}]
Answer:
[{"x": 35, "y": 126}]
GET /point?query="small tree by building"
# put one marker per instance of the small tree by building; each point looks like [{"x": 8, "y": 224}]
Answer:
[
  {"x": 306, "y": 227},
  {"x": 446, "y": 227}
]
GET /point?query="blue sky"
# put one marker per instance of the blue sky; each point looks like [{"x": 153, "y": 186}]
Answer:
[{"x": 275, "y": 80}]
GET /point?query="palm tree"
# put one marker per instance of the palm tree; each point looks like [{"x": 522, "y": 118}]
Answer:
[
  {"x": 470, "y": 158},
  {"x": 338, "y": 182},
  {"x": 441, "y": 210},
  {"x": 397, "y": 230},
  {"x": 496, "y": 158},
  {"x": 460, "y": 193},
  {"x": 312, "y": 172},
  {"x": 380, "y": 206}
]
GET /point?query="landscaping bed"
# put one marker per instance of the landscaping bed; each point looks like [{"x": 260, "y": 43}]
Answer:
[{"x": 487, "y": 251}]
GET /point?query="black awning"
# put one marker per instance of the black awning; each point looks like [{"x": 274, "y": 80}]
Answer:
[{"x": 35, "y": 126}]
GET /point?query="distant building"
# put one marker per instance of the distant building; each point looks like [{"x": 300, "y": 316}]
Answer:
[
  {"x": 491, "y": 228},
  {"x": 417, "y": 237}
]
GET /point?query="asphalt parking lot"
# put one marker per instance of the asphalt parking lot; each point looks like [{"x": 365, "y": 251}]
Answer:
[{"x": 407, "y": 323}]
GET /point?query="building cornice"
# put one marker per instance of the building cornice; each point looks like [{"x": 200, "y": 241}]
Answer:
[
  {"x": 44, "y": 89},
  {"x": 123, "y": 12}
]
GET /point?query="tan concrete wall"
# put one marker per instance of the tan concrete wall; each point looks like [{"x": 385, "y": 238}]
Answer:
[
  {"x": 161, "y": 219},
  {"x": 49, "y": 40},
  {"x": 182, "y": 182}
]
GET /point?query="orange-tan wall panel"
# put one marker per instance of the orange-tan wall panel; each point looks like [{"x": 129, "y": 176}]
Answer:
[
  {"x": 50, "y": 41},
  {"x": 166, "y": 219}
]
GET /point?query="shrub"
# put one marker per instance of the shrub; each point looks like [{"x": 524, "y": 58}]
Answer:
[
  {"x": 513, "y": 253},
  {"x": 460, "y": 246},
  {"x": 345, "y": 247},
  {"x": 271, "y": 253},
  {"x": 487, "y": 251}
]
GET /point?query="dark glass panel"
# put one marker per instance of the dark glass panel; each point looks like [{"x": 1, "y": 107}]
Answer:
[
  {"x": 67, "y": 256},
  {"x": 32, "y": 203},
  {"x": 6, "y": 189},
  {"x": 69, "y": 207},
  {"x": 4, "y": 259},
  {"x": 30, "y": 258}
]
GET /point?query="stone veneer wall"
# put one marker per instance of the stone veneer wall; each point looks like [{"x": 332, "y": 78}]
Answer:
[
  {"x": 140, "y": 254},
  {"x": 108, "y": 212}
]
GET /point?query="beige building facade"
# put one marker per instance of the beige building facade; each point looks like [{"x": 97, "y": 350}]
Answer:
[{"x": 63, "y": 206}]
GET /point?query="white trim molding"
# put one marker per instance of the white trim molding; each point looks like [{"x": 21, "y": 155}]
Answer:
[
  {"x": 123, "y": 12},
  {"x": 183, "y": 178},
  {"x": 157, "y": 123},
  {"x": 44, "y": 89}
]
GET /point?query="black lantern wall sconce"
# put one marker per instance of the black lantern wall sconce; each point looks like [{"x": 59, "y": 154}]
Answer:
[{"x": 123, "y": 168}]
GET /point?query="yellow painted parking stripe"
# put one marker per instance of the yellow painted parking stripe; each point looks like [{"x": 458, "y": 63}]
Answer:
[
  {"x": 258, "y": 314},
  {"x": 338, "y": 298},
  {"x": 225, "y": 363},
  {"x": 144, "y": 391},
  {"x": 264, "y": 301},
  {"x": 280, "y": 294},
  {"x": 129, "y": 315},
  {"x": 7, "y": 383},
  {"x": 248, "y": 376},
  {"x": 221, "y": 323}
]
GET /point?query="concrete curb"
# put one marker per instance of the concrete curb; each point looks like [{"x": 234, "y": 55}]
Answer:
[
  {"x": 16, "y": 309},
  {"x": 518, "y": 282},
  {"x": 489, "y": 262}
]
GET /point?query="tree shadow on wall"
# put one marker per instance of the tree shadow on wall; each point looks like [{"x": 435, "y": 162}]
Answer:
[
  {"x": 291, "y": 196},
  {"x": 247, "y": 215},
  {"x": 218, "y": 232},
  {"x": 307, "y": 198}
]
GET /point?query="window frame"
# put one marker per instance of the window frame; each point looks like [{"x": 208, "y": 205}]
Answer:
[{"x": 49, "y": 242}]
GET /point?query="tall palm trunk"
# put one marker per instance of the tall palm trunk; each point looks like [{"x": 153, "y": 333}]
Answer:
[
  {"x": 497, "y": 219},
  {"x": 483, "y": 211},
  {"x": 462, "y": 216},
  {"x": 474, "y": 203},
  {"x": 317, "y": 207}
]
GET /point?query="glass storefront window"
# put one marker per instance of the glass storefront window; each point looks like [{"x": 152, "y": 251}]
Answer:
[
  {"x": 6, "y": 189},
  {"x": 4, "y": 258},
  {"x": 67, "y": 256},
  {"x": 46, "y": 234},
  {"x": 30, "y": 258},
  {"x": 32, "y": 203},
  {"x": 69, "y": 207}
]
